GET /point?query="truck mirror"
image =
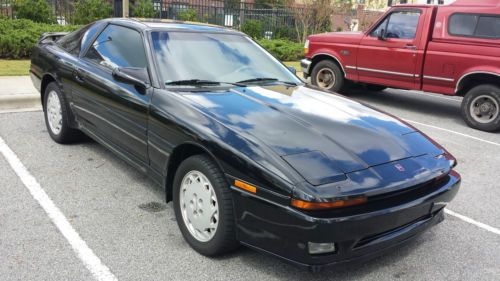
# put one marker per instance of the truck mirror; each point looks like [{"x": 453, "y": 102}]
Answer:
[{"x": 381, "y": 34}]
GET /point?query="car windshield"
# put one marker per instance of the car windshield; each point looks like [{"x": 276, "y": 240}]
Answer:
[{"x": 215, "y": 57}]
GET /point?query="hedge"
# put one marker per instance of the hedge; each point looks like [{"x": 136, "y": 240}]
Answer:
[
  {"x": 283, "y": 49},
  {"x": 18, "y": 37}
]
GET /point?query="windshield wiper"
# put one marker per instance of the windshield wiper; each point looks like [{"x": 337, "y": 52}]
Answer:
[
  {"x": 266, "y": 79},
  {"x": 200, "y": 82}
]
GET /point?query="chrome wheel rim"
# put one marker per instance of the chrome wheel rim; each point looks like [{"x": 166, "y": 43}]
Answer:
[
  {"x": 54, "y": 112},
  {"x": 325, "y": 78},
  {"x": 199, "y": 206},
  {"x": 484, "y": 109}
]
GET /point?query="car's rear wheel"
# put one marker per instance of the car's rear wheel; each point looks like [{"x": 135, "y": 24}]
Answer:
[
  {"x": 203, "y": 206},
  {"x": 57, "y": 116},
  {"x": 328, "y": 76},
  {"x": 481, "y": 108}
]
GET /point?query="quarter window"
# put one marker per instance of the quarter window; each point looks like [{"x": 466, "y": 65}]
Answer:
[
  {"x": 118, "y": 46},
  {"x": 399, "y": 25},
  {"x": 475, "y": 25}
]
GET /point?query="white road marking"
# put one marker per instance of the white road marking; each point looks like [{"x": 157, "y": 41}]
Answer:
[
  {"x": 99, "y": 270},
  {"x": 453, "y": 132},
  {"x": 474, "y": 222},
  {"x": 434, "y": 95}
]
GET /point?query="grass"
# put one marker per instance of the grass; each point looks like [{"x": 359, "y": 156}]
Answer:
[
  {"x": 21, "y": 67},
  {"x": 14, "y": 67}
]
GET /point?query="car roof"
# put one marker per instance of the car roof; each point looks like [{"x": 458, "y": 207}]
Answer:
[{"x": 165, "y": 24}]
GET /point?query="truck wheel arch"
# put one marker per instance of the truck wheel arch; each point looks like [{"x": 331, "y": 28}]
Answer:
[
  {"x": 324, "y": 56},
  {"x": 475, "y": 78}
]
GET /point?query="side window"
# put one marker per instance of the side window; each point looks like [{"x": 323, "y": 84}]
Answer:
[
  {"x": 118, "y": 46},
  {"x": 475, "y": 25},
  {"x": 72, "y": 42},
  {"x": 399, "y": 25}
]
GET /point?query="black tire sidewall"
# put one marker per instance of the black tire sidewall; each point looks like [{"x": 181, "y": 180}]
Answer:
[
  {"x": 62, "y": 136},
  {"x": 224, "y": 239},
  {"x": 339, "y": 77},
  {"x": 486, "y": 89}
]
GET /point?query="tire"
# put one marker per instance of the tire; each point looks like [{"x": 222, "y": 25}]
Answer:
[
  {"x": 481, "y": 108},
  {"x": 323, "y": 68},
  {"x": 61, "y": 133},
  {"x": 223, "y": 239},
  {"x": 375, "y": 88}
]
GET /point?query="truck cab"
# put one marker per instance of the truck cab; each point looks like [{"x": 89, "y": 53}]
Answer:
[{"x": 450, "y": 50}]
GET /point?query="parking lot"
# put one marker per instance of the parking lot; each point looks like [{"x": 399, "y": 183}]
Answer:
[{"x": 121, "y": 218}]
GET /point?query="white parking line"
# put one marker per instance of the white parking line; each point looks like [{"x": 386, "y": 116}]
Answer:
[
  {"x": 474, "y": 222},
  {"x": 434, "y": 96},
  {"x": 100, "y": 271},
  {"x": 453, "y": 132}
]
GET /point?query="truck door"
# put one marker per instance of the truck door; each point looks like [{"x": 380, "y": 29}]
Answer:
[{"x": 388, "y": 54}]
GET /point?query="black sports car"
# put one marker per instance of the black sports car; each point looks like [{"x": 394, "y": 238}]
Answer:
[{"x": 246, "y": 151}]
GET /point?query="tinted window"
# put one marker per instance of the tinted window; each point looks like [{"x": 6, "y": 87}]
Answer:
[
  {"x": 474, "y": 25},
  {"x": 118, "y": 46},
  {"x": 71, "y": 42},
  {"x": 400, "y": 25}
]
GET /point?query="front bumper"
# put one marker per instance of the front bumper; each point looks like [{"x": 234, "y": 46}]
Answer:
[
  {"x": 305, "y": 65},
  {"x": 285, "y": 232}
]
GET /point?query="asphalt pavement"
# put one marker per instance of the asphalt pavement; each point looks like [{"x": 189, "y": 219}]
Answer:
[{"x": 122, "y": 217}]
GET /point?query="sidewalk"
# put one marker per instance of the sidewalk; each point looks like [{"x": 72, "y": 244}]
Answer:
[{"x": 18, "y": 93}]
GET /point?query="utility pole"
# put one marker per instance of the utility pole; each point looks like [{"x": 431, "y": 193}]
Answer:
[{"x": 125, "y": 8}]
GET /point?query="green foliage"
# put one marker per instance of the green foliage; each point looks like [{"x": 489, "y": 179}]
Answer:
[
  {"x": 253, "y": 28},
  {"x": 282, "y": 49},
  {"x": 35, "y": 10},
  {"x": 188, "y": 15},
  {"x": 87, "y": 11},
  {"x": 144, "y": 9},
  {"x": 18, "y": 37}
]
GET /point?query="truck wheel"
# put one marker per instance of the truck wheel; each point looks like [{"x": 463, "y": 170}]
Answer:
[
  {"x": 328, "y": 76},
  {"x": 481, "y": 108}
]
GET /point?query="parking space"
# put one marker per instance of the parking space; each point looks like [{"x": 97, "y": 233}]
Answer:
[{"x": 122, "y": 217}]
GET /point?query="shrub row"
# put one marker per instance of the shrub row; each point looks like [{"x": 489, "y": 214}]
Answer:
[
  {"x": 18, "y": 37},
  {"x": 283, "y": 49}
]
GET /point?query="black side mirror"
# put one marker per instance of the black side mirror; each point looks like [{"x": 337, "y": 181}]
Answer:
[
  {"x": 132, "y": 75},
  {"x": 292, "y": 69},
  {"x": 381, "y": 34}
]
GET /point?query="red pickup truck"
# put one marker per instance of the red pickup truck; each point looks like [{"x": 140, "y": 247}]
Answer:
[{"x": 451, "y": 50}]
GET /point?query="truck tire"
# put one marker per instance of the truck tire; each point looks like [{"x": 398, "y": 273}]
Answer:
[
  {"x": 481, "y": 108},
  {"x": 328, "y": 76}
]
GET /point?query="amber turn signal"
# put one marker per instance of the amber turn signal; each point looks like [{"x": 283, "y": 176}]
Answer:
[
  {"x": 305, "y": 205},
  {"x": 245, "y": 186}
]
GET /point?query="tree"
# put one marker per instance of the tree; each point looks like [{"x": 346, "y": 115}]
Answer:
[
  {"x": 35, "y": 10},
  {"x": 87, "y": 11},
  {"x": 313, "y": 17},
  {"x": 144, "y": 9}
]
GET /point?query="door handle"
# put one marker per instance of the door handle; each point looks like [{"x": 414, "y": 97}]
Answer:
[
  {"x": 410, "y": 47},
  {"x": 79, "y": 75}
]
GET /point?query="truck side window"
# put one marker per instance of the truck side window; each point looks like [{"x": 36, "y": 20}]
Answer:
[
  {"x": 475, "y": 25},
  {"x": 399, "y": 25}
]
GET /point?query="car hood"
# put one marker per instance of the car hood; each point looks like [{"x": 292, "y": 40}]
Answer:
[
  {"x": 337, "y": 37},
  {"x": 322, "y": 136}
]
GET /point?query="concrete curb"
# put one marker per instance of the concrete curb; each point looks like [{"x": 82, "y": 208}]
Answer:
[{"x": 20, "y": 101}]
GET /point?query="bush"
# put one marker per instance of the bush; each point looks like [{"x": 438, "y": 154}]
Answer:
[
  {"x": 87, "y": 11},
  {"x": 253, "y": 28},
  {"x": 35, "y": 10},
  {"x": 144, "y": 9},
  {"x": 282, "y": 49},
  {"x": 18, "y": 37},
  {"x": 188, "y": 15}
]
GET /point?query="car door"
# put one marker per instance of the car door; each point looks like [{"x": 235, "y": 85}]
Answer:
[
  {"x": 388, "y": 54},
  {"x": 114, "y": 111}
]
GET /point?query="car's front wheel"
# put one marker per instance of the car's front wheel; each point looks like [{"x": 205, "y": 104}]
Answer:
[
  {"x": 57, "y": 116},
  {"x": 481, "y": 108},
  {"x": 203, "y": 206},
  {"x": 328, "y": 76}
]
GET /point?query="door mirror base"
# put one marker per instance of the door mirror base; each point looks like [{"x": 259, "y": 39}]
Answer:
[
  {"x": 381, "y": 35},
  {"x": 132, "y": 75}
]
